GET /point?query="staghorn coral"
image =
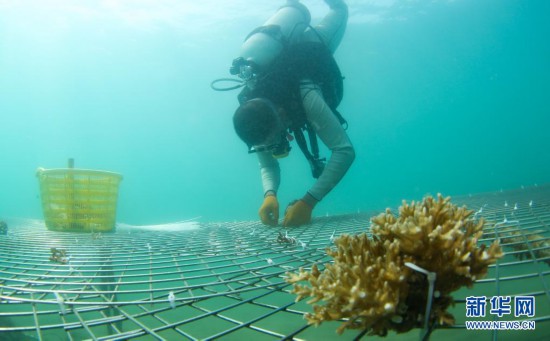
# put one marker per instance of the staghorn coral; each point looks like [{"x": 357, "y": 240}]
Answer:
[
  {"x": 363, "y": 285},
  {"x": 368, "y": 284},
  {"x": 439, "y": 237}
]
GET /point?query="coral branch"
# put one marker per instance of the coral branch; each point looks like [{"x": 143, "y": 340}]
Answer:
[{"x": 368, "y": 285}]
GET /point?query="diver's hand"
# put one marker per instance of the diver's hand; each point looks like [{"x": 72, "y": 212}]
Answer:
[
  {"x": 269, "y": 211},
  {"x": 297, "y": 213}
]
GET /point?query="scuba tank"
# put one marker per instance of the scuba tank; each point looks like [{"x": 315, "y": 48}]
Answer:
[{"x": 265, "y": 43}]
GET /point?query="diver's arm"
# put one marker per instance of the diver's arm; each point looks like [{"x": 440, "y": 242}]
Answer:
[
  {"x": 330, "y": 131},
  {"x": 331, "y": 29},
  {"x": 270, "y": 172}
]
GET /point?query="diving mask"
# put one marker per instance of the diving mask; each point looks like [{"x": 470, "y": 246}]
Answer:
[{"x": 279, "y": 150}]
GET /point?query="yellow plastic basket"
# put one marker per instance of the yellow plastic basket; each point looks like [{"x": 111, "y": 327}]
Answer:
[{"x": 79, "y": 200}]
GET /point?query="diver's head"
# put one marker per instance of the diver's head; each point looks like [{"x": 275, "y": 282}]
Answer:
[{"x": 258, "y": 123}]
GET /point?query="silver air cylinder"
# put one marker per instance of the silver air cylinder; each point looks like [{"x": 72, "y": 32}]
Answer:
[{"x": 285, "y": 26}]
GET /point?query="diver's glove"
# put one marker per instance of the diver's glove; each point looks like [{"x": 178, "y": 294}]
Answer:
[
  {"x": 269, "y": 211},
  {"x": 297, "y": 213}
]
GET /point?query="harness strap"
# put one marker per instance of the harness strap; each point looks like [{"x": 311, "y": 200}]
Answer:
[
  {"x": 317, "y": 165},
  {"x": 300, "y": 139},
  {"x": 313, "y": 141},
  {"x": 341, "y": 118}
]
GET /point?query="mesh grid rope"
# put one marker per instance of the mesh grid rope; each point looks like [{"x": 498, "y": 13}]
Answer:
[{"x": 202, "y": 281}]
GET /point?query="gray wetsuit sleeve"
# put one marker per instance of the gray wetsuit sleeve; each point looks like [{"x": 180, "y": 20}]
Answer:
[
  {"x": 270, "y": 172},
  {"x": 331, "y": 29},
  {"x": 330, "y": 131}
]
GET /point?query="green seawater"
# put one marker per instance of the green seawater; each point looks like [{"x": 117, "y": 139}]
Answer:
[{"x": 441, "y": 96}]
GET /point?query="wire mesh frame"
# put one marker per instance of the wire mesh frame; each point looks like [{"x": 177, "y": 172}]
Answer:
[{"x": 223, "y": 280}]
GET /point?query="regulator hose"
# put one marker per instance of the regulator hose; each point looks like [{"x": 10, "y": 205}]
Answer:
[{"x": 214, "y": 83}]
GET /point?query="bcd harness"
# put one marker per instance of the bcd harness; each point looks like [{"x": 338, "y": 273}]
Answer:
[{"x": 280, "y": 83}]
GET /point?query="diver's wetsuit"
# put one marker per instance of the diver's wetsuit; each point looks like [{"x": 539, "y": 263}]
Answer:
[{"x": 325, "y": 123}]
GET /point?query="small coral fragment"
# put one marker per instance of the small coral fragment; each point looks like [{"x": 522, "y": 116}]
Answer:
[{"x": 527, "y": 245}]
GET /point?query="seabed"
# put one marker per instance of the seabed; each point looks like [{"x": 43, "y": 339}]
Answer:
[{"x": 202, "y": 281}]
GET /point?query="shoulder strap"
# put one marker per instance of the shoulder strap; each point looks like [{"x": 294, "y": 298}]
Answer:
[{"x": 316, "y": 164}]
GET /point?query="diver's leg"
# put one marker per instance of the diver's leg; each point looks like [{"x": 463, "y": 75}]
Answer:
[{"x": 331, "y": 29}]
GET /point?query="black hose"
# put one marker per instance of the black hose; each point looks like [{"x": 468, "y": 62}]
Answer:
[{"x": 233, "y": 80}]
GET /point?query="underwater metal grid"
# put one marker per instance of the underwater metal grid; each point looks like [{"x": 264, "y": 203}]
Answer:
[{"x": 226, "y": 280}]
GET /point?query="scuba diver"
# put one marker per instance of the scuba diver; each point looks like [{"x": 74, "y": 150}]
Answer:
[{"x": 293, "y": 85}]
